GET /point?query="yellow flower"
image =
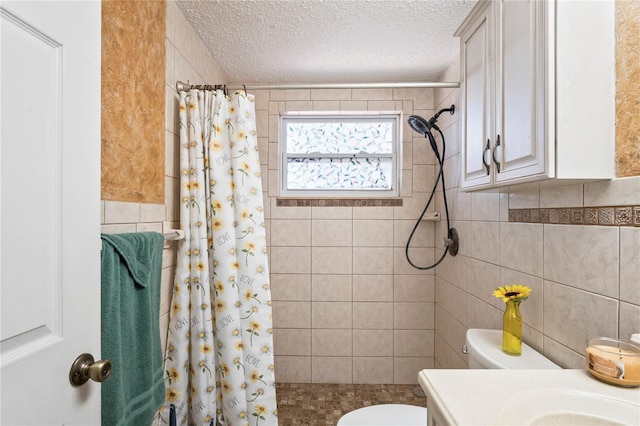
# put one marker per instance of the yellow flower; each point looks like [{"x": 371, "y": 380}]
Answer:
[
  {"x": 220, "y": 306},
  {"x": 172, "y": 394},
  {"x": 174, "y": 374},
  {"x": 254, "y": 326},
  {"x": 226, "y": 387},
  {"x": 255, "y": 376},
  {"x": 217, "y": 224},
  {"x": 205, "y": 349},
  {"x": 512, "y": 292},
  {"x": 261, "y": 409},
  {"x": 248, "y": 295}
]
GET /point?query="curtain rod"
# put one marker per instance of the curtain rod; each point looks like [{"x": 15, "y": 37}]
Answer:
[{"x": 183, "y": 87}]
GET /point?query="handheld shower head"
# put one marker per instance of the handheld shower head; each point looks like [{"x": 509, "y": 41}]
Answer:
[
  {"x": 423, "y": 127},
  {"x": 419, "y": 124}
]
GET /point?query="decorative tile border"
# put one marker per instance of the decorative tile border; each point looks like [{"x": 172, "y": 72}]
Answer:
[
  {"x": 609, "y": 215},
  {"x": 350, "y": 202}
]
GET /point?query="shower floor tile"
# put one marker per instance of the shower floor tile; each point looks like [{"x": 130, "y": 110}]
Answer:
[{"x": 302, "y": 404}]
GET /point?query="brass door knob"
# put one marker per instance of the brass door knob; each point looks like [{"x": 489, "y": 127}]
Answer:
[{"x": 85, "y": 368}]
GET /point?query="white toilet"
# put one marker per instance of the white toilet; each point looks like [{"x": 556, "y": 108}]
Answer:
[
  {"x": 484, "y": 348},
  {"x": 386, "y": 415}
]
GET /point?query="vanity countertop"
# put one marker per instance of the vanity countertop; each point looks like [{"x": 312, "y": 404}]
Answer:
[{"x": 501, "y": 397}]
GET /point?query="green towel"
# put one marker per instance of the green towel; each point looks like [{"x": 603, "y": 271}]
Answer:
[{"x": 131, "y": 272}]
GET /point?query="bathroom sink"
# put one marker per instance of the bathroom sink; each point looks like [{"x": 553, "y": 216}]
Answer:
[
  {"x": 568, "y": 407},
  {"x": 526, "y": 397}
]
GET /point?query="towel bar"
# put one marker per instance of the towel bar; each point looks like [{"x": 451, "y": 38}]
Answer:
[{"x": 174, "y": 234}]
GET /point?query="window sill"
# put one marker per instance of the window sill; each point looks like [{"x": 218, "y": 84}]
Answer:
[{"x": 339, "y": 202}]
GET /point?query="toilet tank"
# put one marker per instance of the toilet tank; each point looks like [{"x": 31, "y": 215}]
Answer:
[{"x": 484, "y": 348}]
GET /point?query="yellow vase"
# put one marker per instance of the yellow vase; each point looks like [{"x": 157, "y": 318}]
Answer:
[{"x": 512, "y": 329}]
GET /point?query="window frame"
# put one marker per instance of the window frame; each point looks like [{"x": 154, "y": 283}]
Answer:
[{"x": 310, "y": 116}]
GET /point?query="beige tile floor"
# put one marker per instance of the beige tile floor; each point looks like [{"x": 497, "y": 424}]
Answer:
[{"x": 302, "y": 404}]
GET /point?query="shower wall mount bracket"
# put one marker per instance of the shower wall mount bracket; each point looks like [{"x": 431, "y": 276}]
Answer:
[{"x": 452, "y": 242}]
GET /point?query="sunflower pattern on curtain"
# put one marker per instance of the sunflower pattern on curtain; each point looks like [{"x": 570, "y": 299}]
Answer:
[{"x": 219, "y": 356}]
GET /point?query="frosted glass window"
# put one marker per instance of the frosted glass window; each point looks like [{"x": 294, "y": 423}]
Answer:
[{"x": 340, "y": 155}]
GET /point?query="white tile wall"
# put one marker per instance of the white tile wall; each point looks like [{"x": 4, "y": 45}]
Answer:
[
  {"x": 361, "y": 283},
  {"x": 570, "y": 257},
  {"x": 585, "y": 280}
]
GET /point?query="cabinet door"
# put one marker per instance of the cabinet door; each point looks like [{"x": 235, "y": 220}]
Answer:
[
  {"x": 477, "y": 121},
  {"x": 520, "y": 148}
]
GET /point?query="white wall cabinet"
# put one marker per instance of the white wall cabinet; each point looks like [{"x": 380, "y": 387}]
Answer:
[{"x": 538, "y": 92}]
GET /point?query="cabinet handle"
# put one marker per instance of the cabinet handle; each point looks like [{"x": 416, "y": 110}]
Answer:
[
  {"x": 484, "y": 154},
  {"x": 496, "y": 162}
]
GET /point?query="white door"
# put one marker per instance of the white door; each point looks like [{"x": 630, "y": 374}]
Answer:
[
  {"x": 477, "y": 98},
  {"x": 520, "y": 92},
  {"x": 49, "y": 209}
]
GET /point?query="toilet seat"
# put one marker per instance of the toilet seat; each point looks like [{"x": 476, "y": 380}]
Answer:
[{"x": 386, "y": 415}]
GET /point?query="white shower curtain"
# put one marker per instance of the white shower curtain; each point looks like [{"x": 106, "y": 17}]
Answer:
[{"x": 219, "y": 357}]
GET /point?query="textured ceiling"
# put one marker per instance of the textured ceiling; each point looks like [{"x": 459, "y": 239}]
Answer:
[{"x": 329, "y": 41}]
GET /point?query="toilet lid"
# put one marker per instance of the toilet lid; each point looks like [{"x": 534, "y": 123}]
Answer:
[{"x": 386, "y": 415}]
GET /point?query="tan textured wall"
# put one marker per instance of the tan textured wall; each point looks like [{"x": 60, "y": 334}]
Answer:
[
  {"x": 628, "y": 87},
  {"x": 133, "y": 101}
]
